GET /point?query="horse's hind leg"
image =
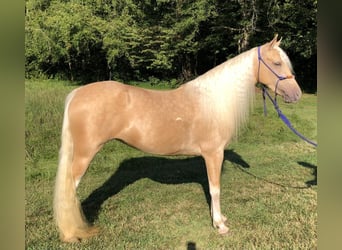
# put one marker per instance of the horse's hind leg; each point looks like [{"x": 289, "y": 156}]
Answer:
[
  {"x": 83, "y": 154},
  {"x": 213, "y": 161}
]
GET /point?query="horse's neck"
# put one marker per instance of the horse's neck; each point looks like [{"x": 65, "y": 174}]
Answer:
[
  {"x": 228, "y": 89},
  {"x": 233, "y": 78}
]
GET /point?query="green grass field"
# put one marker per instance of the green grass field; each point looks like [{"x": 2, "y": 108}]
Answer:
[{"x": 142, "y": 201}]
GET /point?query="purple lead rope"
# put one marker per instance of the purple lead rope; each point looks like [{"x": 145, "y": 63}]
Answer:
[{"x": 282, "y": 116}]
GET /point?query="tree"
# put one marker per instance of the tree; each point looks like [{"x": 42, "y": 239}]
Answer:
[
  {"x": 63, "y": 39},
  {"x": 161, "y": 38},
  {"x": 134, "y": 39}
]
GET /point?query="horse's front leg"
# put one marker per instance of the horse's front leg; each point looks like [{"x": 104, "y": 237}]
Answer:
[{"x": 213, "y": 161}]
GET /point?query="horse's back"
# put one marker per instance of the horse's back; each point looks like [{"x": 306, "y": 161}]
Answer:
[{"x": 153, "y": 121}]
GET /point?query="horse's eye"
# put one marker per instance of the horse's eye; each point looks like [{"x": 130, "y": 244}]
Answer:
[{"x": 277, "y": 63}]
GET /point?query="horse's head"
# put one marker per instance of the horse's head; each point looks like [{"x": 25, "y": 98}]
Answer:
[{"x": 275, "y": 71}]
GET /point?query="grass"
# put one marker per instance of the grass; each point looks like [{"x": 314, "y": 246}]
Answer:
[{"x": 142, "y": 201}]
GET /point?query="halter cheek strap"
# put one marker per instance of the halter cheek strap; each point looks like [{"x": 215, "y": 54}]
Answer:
[
  {"x": 280, "y": 78},
  {"x": 262, "y": 60}
]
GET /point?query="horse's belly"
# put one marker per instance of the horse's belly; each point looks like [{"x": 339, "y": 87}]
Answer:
[{"x": 162, "y": 140}]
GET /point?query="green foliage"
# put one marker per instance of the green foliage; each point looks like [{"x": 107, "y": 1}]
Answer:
[
  {"x": 96, "y": 40},
  {"x": 44, "y": 103},
  {"x": 63, "y": 38}
]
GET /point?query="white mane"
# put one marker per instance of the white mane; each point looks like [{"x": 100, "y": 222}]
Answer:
[{"x": 227, "y": 90}]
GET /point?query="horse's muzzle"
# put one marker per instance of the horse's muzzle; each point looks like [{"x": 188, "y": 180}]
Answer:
[{"x": 292, "y": 96}]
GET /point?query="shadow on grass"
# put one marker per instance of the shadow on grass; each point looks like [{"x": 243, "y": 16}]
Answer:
[
  {"x": 191, "y": 245},
  {"x": 309, "y": 184},
  {"x": 314, "y": 172},
  {"x": 160, "y": 169}
]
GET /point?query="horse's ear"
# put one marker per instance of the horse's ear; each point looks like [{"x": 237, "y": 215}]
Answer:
[
  {"x": 274, "y": 42},
  {"x": 278, "y": 42}
]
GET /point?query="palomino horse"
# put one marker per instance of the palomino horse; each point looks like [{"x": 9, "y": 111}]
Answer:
[{"x": 198, "y": 118}]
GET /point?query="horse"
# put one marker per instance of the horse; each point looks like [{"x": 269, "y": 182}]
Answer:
[{"x": 198, "y": 118}]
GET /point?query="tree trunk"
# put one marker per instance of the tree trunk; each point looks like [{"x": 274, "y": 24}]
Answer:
[{"x": 249, "y": 12}]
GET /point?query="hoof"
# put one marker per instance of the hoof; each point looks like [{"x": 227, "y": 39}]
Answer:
[
  {"x": 221, "y": 226},
  {"x": 70, "y": 239},
  {"x": 223, "y": 230},
  {"x": 79, "y": 234}
]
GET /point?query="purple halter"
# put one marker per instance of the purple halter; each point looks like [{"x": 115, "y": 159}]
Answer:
[
  {"x": 280, "y": 78},
  {"x": 274, "y": 101}
]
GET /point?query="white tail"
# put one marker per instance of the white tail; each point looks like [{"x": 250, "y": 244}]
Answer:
[{"x": 68, "y": 213}]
